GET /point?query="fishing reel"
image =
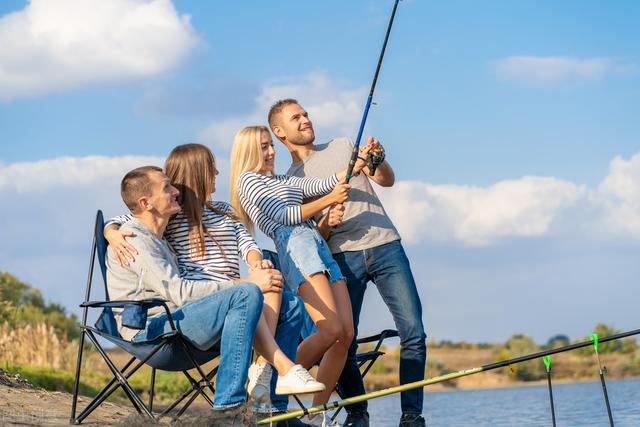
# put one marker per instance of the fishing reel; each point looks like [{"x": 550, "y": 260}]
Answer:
[{"x": 374, "y": 158}]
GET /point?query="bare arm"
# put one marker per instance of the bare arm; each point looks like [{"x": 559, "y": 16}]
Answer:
[
  {"x": 384, "y": 175},
  {"x": 339, "y": 194},
  {"x": 332, "y": 218}
]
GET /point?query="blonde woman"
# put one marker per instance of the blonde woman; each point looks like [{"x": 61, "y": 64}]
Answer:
[
  {"x": 275, "y": 204},
  {"x": 209, "y": 241}
]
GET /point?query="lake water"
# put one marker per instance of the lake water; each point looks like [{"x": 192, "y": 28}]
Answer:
[{"x": 576, "y": 404}]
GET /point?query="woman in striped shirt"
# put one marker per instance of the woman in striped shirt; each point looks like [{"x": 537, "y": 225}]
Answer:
[
  {"x": 275, "y": 204},
  {"x": 208, "y": 241}
]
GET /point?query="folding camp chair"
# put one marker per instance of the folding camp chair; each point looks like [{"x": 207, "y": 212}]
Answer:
[
  {"x": 168, "y": 352},
  {"x": 364, "y": 359}
]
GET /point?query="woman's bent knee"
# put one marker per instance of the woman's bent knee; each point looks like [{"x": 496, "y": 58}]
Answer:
[
  {"x": 347, "y": 335},
  {"x": 329, "y": 331}
]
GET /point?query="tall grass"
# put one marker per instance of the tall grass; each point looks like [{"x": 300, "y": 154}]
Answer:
[{"x": 36, "y": 345}]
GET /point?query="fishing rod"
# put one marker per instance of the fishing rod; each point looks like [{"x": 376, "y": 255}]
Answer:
[
  {"x": 594, "y": 339},
  {"x": 440, "y": 378},
  {"x": 547, "y": 363},
  {"x": 354, "y": 154}
]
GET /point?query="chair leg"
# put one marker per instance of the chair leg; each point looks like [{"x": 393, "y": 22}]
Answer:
[
  {"x": 76, "y": 384},
  {"x": 131, "y": 394},
  {"x": 107, "y": 390},
  {"x": 199, "y": 389},
  {"x": 366, "y": 369},
  {"x": 151, "y": 388},
  {"x": 185, "y": 394},
  {"x": 195, "y": 365}
]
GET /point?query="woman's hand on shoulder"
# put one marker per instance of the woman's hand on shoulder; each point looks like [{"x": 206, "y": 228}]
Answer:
[{"x": 125, "y": 252}]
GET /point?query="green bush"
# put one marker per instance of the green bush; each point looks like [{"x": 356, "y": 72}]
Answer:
[
  {"x": 603, "y": 330},
  {"x": 21, "y": 304},
  {"x": 521, "y": 345},
  {"x": 559, "y": 340},
  {"x": 632, "y": 367}
]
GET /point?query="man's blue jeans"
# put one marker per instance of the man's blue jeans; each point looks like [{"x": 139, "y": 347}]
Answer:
[
  {"x": 387, "y": 266},
  {"x": 287, "y": 336},
  {"x": 226, "y": 319}
]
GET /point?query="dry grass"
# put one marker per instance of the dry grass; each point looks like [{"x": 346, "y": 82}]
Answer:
[{"x": 36, "y": 346}]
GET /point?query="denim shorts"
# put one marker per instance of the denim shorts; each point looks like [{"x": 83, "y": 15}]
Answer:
[{"x": 303, "y": 252}]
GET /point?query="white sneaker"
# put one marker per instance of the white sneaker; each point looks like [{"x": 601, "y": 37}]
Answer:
[
  {"x": 319, "y": 420},
  {"x": 298, "y": 381},
  {"x": 259, "y": 387}
]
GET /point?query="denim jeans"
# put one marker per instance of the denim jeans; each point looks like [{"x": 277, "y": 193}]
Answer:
[
  {"x": 227, "y": 319},
  {"x": 287, "y": 337},
  {"x": 387, "y": 266}
]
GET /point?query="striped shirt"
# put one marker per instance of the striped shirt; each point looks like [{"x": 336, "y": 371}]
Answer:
[
  {"x": 220, "y": 261},
  {"x": 275, "y": 201}
]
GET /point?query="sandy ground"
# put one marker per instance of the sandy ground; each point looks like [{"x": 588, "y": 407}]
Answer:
[{"x": 22, "y": 404}]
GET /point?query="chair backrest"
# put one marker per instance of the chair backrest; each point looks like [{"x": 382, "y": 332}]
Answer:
[
  {"x": 170, "y": 357},
  {"x": 106, "y": 321},
  {"x": 101, "y": 248}
]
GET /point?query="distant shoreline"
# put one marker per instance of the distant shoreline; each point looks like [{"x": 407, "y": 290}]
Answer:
[{"x": 521, "y": 384}]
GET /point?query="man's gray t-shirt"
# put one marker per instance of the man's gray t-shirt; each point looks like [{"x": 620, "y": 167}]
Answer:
[{"x": 365, "y": 224}]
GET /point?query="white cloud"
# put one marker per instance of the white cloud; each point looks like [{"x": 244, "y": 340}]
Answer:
[
  {"x": 69, "y": 173},
  {"x": 526, "y": 207},
  {"x": 478, "y": 216},
  {"x": 458, "y": 214},
  {"x": 555, "y": 69},
  {"x": 619, "y": 196},
  {"x": 56, "y": 44},
  {"x": 333, "y": 107}
]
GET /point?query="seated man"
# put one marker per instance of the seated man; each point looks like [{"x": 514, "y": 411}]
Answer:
[{"x": 207, "y": 313}]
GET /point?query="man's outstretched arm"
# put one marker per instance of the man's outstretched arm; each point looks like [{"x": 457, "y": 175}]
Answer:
[{"x": 384, "y": 175}]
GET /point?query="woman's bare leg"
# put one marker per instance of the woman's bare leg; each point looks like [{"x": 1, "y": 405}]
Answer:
[
  {"x": 265, "y": 344},
  {"x": 330, "y": 308}
]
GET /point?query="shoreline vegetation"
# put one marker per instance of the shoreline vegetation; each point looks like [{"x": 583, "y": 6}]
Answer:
[{"x": 39, "y": 341}]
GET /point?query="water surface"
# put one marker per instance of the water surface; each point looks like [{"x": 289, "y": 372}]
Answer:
[{"x": 576, "y": 404}]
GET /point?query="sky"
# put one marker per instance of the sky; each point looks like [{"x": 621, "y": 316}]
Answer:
[{"x": 512, "y": 128}]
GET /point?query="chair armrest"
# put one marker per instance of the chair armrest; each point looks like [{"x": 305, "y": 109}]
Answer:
[
  {"x": 146, "y": 303},
  {"x": 387, "y": 333}
]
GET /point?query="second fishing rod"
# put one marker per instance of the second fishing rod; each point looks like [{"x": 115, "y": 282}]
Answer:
[{"x": 442, "y": 378}]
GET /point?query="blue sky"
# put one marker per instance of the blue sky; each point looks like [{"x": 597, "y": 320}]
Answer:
[{"x": 512, "y": 127}]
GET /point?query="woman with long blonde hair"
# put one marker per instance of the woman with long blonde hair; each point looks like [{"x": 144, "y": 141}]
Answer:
[
  {"x": 275, "y": 204},
  {"x": 209, "y": 241}
]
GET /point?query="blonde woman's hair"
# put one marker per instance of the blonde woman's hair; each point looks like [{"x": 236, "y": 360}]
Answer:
[
  {"x": 246, "y": 156},
  {"x": 191, "y": 168}
]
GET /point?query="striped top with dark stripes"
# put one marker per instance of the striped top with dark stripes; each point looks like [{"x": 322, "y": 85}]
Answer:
[
  {"x": 273, "y": 201},
  {"x": 221, "y": 261}
]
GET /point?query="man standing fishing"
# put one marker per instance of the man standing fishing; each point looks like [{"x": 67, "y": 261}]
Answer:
[{"x": 367, "y": 247}]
